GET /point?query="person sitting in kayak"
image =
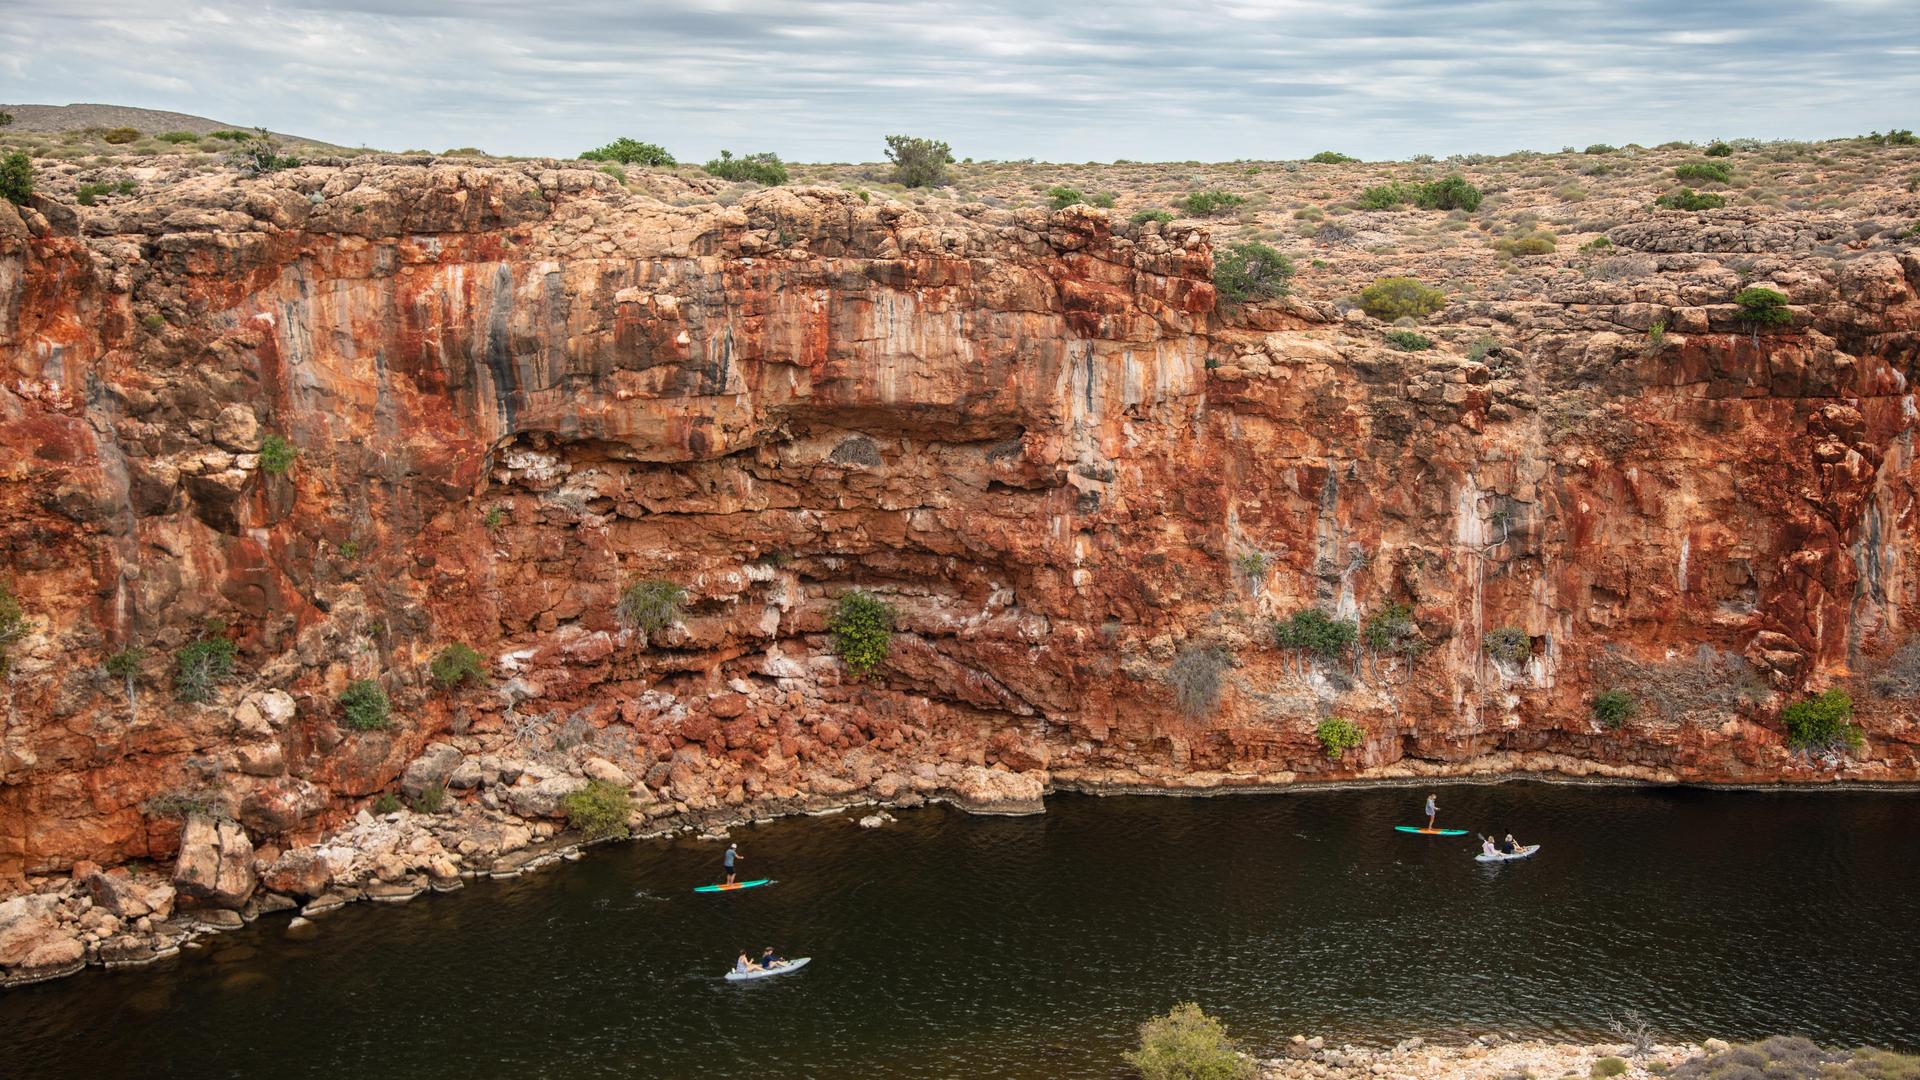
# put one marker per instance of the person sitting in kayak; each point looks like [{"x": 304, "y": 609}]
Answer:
[
  {"x": 1509, "y": 846},
  {"x": 744, "y": 965},
  {"x": 1433, "y": 808},
  {"x": 768, "y": 961},
  {"x": 1487, "y": 847}
]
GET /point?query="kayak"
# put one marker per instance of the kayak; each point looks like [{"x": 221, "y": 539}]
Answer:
[
  {"x": 735, "y": 887},
  {"x": 1521, "y": 854},
  {"x": 791, "y": 965},
  {"x": 1429, "y": 832}
]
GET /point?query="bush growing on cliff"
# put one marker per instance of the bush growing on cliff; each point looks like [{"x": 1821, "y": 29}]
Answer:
[
  {"x": 1331, "y": 157},
  {"x": 599, "y": 810},
  {"x": 16, "y": 177},
  {"x": 1250, "y": 271},
  {"x": 1392, "y": 630},
  {"x": 431, "y": 801},
  {"x": 1195, "y": 677},
  {"x": 862, "y": 629},
  {"x": 457, "y": 663},
  {"x": 918, "y": 162},
  {"x": 1338, "y": 736},
  {"x": 762, "y": 168},
  {"x": 201, "y": 665},
  {"x": 1718, "y": 172},
  {"x": 1394, "y": 298},
  {"x": 1508, "y": 644},
  {"x": 1211, "y": 203},
  {"x": 1187, "y": 1044},
  {"x": 629, "y": 152},
  {"x": 1312, "y": 630},
  {"x": 277, "y": 454},
  {"x": 1763, "y": 307},
  {"x": 364, "y": 705},
  {"x": 13, "y": 625},
  {"x": 1823, "y": 722},
  {"x": 651, "y": 605},
  {"x": 1612, "y": 708},
  {"x": 1688, "y": 199}
]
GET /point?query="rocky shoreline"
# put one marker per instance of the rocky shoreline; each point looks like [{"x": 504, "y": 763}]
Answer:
[{"x": 1488, "y": 1057}]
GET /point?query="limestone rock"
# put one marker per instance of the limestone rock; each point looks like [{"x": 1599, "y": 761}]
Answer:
[
  {"x": 432, "y": 769},
  {"x": 215, "y": 867}
]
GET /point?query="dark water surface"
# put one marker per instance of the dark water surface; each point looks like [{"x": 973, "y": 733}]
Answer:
[{"x": 956, "y": 946}]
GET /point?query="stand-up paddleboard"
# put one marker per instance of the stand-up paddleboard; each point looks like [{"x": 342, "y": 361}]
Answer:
[
  {"x": 735, "y": 887},
  {"x": 757, "y": 973},
  {"x": 1429, "y": 832},
  {"x": 1503, "y": 857}
]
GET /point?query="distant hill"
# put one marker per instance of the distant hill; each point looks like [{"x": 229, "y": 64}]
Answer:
[{"x": 59, "y": 118}]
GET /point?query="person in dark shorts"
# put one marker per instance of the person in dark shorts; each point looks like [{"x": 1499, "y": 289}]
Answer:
[
  {"x": 768, "y": 961},
  {"x": 727, "y": 860}
]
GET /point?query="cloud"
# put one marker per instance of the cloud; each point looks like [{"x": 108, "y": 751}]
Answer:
[{"x": 825, "y": 79}]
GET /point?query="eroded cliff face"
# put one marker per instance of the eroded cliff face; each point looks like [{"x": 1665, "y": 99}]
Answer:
[{"x": 516, "y": 389}]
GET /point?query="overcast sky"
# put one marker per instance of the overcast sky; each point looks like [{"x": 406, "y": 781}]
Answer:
[{"x": 824, "y": 81}]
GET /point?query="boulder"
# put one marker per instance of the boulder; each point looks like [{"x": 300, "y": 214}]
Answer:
[
  {"x": 431, "y": 770},
  {"x": 604, "y": 770},
  {"x": 121, "y": 894},
  {"x": 980, "y": 790},
  {"x": 215, "y": 868},
  {"x": 264, "y": 714},
  {"x": 237, "y": 429},
  {"x": 542, "y": 798},
  {"x": 299, "y": 873},
  {"x": 27, "y": 925}
]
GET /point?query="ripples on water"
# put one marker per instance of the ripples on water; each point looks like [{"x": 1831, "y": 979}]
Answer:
[{"x": 953, "y": 946}]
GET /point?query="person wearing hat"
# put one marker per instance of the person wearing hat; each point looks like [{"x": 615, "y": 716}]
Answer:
[{"x": 727, "y": 860}]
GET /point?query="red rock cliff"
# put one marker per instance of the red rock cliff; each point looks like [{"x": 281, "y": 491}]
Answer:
[{"x": 514, "y": 390}]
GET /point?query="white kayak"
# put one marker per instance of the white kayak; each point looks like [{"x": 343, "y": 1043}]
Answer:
[
  {"x": 1521, "y": 854},
  {"x": 757, "y": 973}
]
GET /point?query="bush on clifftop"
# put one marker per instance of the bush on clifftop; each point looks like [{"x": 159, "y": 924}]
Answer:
[
  {"x": 1187, "y": 1044},
  {"x": 918, "y": 162},
  {"x": 1331, "y": 157},
  {"x": 1718, "y": 172},
  {"x": 862, "y": 629},
  {"x": 16, "y": 177},
  {"x": 1395, "y": 298},
  {"x": 1823, "y": 722},
  {"x": 599, "y": 810},
  {"x": 1250, "y": 271},
  {"x": 629, "y": 152},
  {"x": 1763, "y": 307},
  {"x": 762, "y": 168},
  {"x": 1211, "y": 203}
]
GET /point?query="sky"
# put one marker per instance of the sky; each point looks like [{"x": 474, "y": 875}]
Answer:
[{"x": 826, "y": 80}]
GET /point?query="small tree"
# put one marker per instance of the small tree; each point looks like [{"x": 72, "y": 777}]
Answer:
[
  {"x": 1508, "y": 644},
  {"x": 277, "y": 454},
  {"x": 1718, "y": 172},
  {"x": 6, "y": 119},
  {"x": 629, "y": 152},
  {"x": 1394, "y": 298},
  {"x": 1763, "y": 307},
  {"x": 1338, "y": 736},
  {"x": 1331, "y": 157},
  {"x": 1612, "y": 708},
  {"x": 918, "y": 162},
  {"x": 862, "y": 629},
  {"x": 1823, "y": 722},
  {"x": 1449, "y": 193},
  {"x": 1187, "y": 1044},
  {"x": 1195, "y": 678},
  {"x": 1313, "y": 631},
  {"x": 1392, "y": 630},
  {"x": 1408, "y": 341},
  {"x": 1212, "y": 203},
  {"x": 365, "y": 705},
  {"x": 651, "y": 605},
  {"x": 201, "y": 665},
  {"x": 762, "y": 168},
  {"x": 455, "y": 664},
  {"x": 600, "y": 810},
  {"x": 1059, "y": 198},
  {"x": 1251, "y": 271},
  {"x": 16, "y": 177},
  {"x": 1688, "y": 199}
]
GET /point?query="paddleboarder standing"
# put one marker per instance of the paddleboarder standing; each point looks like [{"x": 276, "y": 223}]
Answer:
[
  {"x": 733, "y": 852},
  {"x": 1433, "y": 809}
]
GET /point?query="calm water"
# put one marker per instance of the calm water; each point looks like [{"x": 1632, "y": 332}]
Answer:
[{"x": 954, "y": 946}]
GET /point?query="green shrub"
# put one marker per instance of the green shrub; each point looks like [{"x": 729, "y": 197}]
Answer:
[
  {"x": 1252, "y": 565},
  {"x": 1395, "y": 298},
  {"x": 120, "y": 136},
  {"x": 277, "y": 454},
  {"x": 1657, "y": 336},
  {"x": 1763, "y": 307},
  {"x": 16, "y": 177},
  {"x": 1392, "y": 629},
  {"x": 1141, "y": 217},
  {"x": 1195, "y": 677},
  {"x": 1187, "y": 1044},
  {"x": 6, "y": 119},
  {"x": 13, "y": 625},
  {"x": 1526, "y": 242},
  {"x": 496, "y": 516},
  {"x": 365, "y": 705},
  {"x": 652, "y": 605},
  {"x": 1451, "y": 193},
  {"x": 1896, "y": 137},
  {"x": 1713, "y": 171},
  {"x": 1609, "y": 1066},
  {"x": 618, "y": 172},
  {"x": 1613, "y": 708},
  {"x": 1600, "y": 148},
  {"x": 1062, "y": 197},
  {"x": 1250, "y": 271},
  {"x": 1387, "y": 196},
  {"x": 1211, "y": 203},
  {"x": 1716, "y": 148},
  {"x": 1823, "y": 722},
  {"x": 1104, "y": 200},
  {"x": 201, "y": 665},
  {"x": 260, "y": 154},
  {"x": 388, "y": 803},
  {"x": 1408, "y": 341},
  {"x": 1312, "y": 630},
  {"x": 177, "y": 137},
  {"x": 1338, "y": 736},
  {"x": 599, "y": 811},
  {"x": 431, "y": 801},
  {"x": 918, "y": 163},
  {"x": 1689, "y": 199},
  {"x": 88, "y": 194},
  {"x": 455, "y": 664},
  {"x": 125, "y": 664},
  {"x": 1597, "y": 244},
  {"x": 862, "y": 629},
  {"x": 764, "y": 168},
  {"x": 1792, "y": 1057},
  {"x": 230, "y": 135},
  {"x": 1508, "y": 643},
  {"x": 1331, "y": 157},
  {"x": 630, "y": 152}
]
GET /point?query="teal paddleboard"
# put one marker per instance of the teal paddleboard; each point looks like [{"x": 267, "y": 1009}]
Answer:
[
  {"x": 735, "y": 887},
  {"x": 1429, "y": 832}
]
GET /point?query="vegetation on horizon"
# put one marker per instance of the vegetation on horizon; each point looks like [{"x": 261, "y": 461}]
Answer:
[
  {"x": 764, "y": 168},
  {"x": 626, "y": 151},
  {"x": 918, "y": 163}
]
